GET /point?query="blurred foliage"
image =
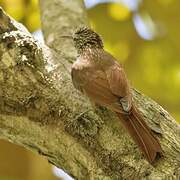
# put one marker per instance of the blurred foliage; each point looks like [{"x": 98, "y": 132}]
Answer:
[
  {"x": 153, "y": 66},
  {"x": 118, "y": 11},
  {"x": 25, "y": 11},
  {"x": 16, "y": 163}
]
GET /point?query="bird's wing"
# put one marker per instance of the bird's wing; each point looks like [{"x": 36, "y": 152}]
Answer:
[
  {"x": 98, "y": 90},
  {"x": 119, "y": 84},
  {"x": 117, "y": 80}
]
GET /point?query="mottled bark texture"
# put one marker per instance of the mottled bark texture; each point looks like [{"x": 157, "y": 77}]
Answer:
[{"x": 40, "y": 109}]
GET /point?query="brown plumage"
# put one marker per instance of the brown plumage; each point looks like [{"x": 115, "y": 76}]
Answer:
[{"x": 97, "y": 74}]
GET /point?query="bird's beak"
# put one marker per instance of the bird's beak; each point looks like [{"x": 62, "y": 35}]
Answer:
[{"x": 67, "y": 36}]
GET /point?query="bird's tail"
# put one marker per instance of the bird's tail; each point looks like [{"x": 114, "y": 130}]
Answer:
[{"x": 141, "y": 134}]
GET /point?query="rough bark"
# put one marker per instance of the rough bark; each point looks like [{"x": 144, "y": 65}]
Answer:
[{"x": 40, "y": 109}]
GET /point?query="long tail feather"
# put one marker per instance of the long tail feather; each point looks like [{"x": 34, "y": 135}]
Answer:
[{"x": 141, "y": 134}]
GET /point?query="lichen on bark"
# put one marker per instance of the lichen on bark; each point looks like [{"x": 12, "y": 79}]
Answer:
[{"x": 40, "y": 109}]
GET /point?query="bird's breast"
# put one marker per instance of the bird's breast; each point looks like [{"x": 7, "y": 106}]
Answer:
[{"x": 80, "y": 64}]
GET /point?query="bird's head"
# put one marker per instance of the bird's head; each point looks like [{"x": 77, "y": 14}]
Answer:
[{"x": 85, "y": 37}]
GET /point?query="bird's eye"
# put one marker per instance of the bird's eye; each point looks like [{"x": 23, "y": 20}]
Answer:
[{"x": 75, "y": 38}]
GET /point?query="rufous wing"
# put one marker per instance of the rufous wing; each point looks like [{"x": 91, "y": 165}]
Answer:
[{"x": 119, "y": 85}]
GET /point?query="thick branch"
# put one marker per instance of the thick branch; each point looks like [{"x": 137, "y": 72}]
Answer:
[{"x": 41, "y": 111}]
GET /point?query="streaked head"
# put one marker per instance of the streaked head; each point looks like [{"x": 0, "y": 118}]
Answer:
[{"x": 86, "y": 38}]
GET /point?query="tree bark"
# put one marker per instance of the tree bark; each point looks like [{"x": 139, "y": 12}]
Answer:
[{"x": 40, "y": 109}]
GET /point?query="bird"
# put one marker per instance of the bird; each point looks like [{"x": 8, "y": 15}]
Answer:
[{"x": 99, "y": 76}]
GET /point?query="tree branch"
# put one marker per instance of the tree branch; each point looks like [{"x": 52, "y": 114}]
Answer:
[{"x": 40, "y": 109}]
